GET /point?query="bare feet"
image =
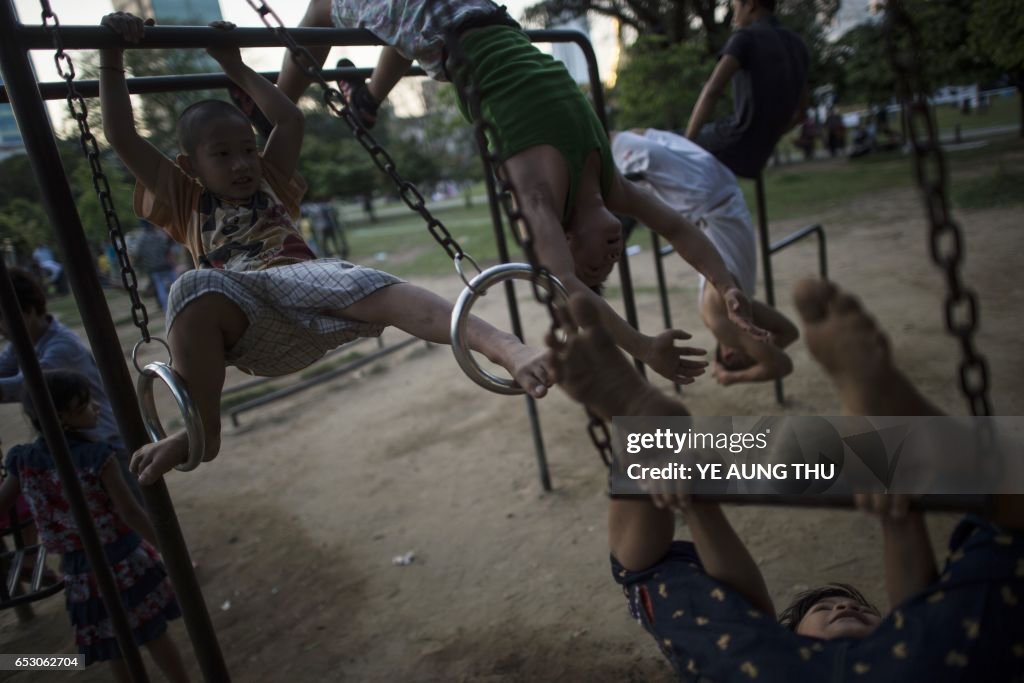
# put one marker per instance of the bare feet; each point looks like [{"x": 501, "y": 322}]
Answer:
[
  {"x": 855, "y": 353},
  {"x": 154, "y": 460},
  {"x": 528, "y": 367}
]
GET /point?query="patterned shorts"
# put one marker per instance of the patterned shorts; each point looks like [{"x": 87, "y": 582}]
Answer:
[{"x": 293, "y": 310}]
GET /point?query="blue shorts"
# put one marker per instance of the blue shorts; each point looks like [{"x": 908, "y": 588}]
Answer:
[{"x": 967, "y": 626}]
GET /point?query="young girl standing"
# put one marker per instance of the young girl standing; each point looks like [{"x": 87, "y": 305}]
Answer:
[{"x": 125, "y": 531}]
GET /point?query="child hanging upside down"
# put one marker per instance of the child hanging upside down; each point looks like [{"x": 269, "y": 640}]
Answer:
[
  {"x": 695, "y": 183},
  {"x": 258, "y": 299},
  {"x": 552, "y": 147},
  {"x": 705, "y": 602}
]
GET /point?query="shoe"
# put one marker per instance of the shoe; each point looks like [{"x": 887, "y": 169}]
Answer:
[{"x": 360, "y": 101}]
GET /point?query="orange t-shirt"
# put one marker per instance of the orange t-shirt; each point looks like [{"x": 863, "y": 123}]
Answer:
[{"x": 220, "y": 233}]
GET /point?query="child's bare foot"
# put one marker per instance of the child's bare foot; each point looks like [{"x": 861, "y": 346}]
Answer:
[
  {"x": 589, "y": 366},
  {"x": 529, "y": 369},
  {"x": 154, "y": 460},
  {"x": 855, "y": 353}
]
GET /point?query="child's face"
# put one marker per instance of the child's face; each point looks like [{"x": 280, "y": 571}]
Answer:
[
  {"x": 81, "y": 415},
  {"x": 838, "y": 617},
  {"x": 226, "y": 160},
  {"x": 595, "y": 241}
]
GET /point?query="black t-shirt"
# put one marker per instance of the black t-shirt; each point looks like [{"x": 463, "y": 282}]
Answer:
[{"x": 766, "y": 93}]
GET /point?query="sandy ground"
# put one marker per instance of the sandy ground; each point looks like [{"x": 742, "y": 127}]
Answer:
[{"x": 295, "y": 525}]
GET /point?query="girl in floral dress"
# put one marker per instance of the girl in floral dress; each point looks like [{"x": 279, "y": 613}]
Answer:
[{"x": 123, "y": 527}]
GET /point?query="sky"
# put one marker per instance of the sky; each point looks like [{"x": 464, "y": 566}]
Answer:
[{"x": 89, "y": 12}]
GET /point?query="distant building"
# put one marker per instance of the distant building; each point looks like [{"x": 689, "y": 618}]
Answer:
[{"x": 182, "y": 12}]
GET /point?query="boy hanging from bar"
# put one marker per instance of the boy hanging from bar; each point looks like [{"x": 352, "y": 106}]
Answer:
[
  {"x": 258, "y": 299},
  {"x": 553, "y": 148}
]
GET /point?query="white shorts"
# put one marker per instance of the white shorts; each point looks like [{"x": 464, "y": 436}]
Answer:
[{"x": 729, "y": 227}]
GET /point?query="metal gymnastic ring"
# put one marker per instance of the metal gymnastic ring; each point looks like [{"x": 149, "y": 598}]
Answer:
[
  {"x": 460, "y": 316},
  {"x": 189, "y": 413}
]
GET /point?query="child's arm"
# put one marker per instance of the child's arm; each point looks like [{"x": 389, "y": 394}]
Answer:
[
  {"x": 724, "y": 71},
  {"x": 592, "y": 371},
  {"x": 725, "y": 557},
  {"x": 143, "y": 159},
  {"x": 689, "y": 242},
  {"x": 909, "y": 559},
  {"x": 285, "y": 141},
  {"x": 124, "y": 502},
  {"x": 292, "y": 81}
]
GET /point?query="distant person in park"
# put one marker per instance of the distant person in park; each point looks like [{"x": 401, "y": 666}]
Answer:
[
  {"x": 807, "y": 139},
  {"x": 835, "y": 133},
  {"x": 767, "y": 66},
  {"x": 692, "y": 181},
  {"x": 50, "y": 268},
  {"x": 151, "y": 252},
  {"x": 327, "y": 230}
]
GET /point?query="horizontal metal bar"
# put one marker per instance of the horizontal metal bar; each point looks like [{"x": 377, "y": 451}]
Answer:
[
  {"x": 144, "y": 85},
  {"x": 331, "y": 374},
  {"x": 35, "y": 37},
  {"x": 797, "y": 236}
]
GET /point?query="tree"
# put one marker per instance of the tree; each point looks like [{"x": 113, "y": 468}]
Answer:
[
  {"x": 996, "y": 31},
  {"x": 332, "y": 162},
  {"x": 652, "y": 60},
  {"x": 703, "y": 26},
  {"x": 864, "y": 73},
  {"x": 675, "y": 20}
]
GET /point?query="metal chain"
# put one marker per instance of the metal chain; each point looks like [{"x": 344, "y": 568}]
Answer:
[
  {"x": 336, "y": 102},
  {"x": 79, "y": 112},
  {"x": 333, "y": 99},
  {"x": 945, "y": 241},
  {"x": 542, "y": 279}
]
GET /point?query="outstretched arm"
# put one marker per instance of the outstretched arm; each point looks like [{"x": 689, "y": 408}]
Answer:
[
  {"x": 128, "y": 509},
  {"x": 292, "y": 81},
  {"x": 142, "y": 159},
  {"x": 285, "y": 141},
  {"x": 712, "y": 92}
]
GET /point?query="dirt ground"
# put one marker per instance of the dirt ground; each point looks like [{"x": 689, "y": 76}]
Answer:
[{"x": 295, "y": 525}]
